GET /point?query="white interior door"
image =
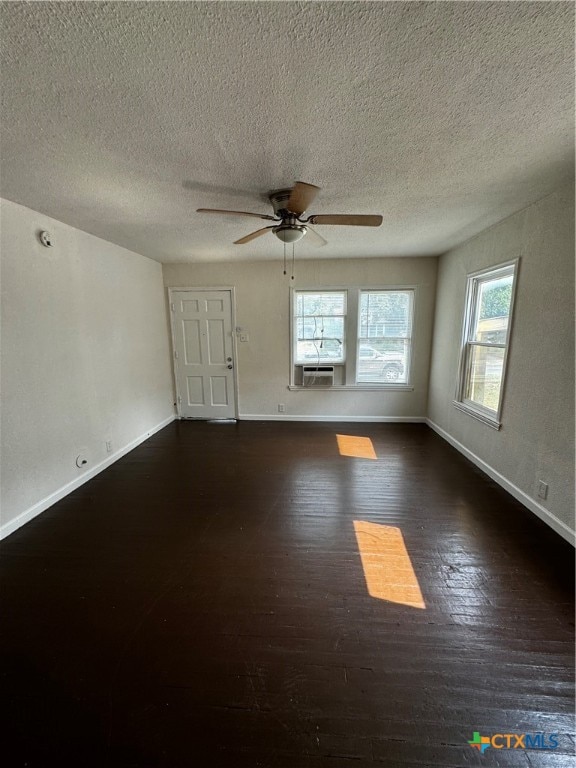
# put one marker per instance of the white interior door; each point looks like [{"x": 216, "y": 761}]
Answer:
[{"x": 203, "y": 353}]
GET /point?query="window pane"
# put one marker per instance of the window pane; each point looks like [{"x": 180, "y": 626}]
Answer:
[
  {"x": 328, "y": 351},
  {"x": 484, "y": 380},
  {"x": 317, "y": 304},
  {"x": 321, "y": 339},
  {"x": 385, "y": 314},
  {"x": 493, "y": 310},
  {"x": 318, "y": 328},
  {"x": 382, "y": 363}
]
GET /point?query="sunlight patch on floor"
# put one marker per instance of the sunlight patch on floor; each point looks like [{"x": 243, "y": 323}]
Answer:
[
  {"x": 387, "y": 567},
  {"x": 358, "y": 447}
]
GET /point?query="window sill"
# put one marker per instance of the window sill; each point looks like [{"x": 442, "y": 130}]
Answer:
[
  {"x": 490, "y": 421},
  {"x": 354, "y": 388}
]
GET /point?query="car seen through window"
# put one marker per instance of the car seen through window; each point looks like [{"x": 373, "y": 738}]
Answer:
[{"x": 377, "y": 366}]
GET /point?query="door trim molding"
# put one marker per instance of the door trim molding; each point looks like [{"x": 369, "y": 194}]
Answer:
[{"x": 230, "y": 288}]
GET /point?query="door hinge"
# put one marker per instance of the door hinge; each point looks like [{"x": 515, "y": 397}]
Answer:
[
  {"x": 173, "y": 307},
  {"x": 179, "y": 399},
  {"x": 176, "y": 354}
]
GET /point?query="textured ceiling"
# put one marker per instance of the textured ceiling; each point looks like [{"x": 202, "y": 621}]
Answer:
[{"x": 123, "y": 118}]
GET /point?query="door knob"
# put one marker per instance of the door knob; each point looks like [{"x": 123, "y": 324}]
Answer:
[{"x": 229, "y": 366}]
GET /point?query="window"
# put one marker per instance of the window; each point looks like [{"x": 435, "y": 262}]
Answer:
[
  {"x": 384, "y": 336},
  {"x": 365, "y": 334},
  {"x": 485, "y": 339},
  {"x": 319, "y": 326}
]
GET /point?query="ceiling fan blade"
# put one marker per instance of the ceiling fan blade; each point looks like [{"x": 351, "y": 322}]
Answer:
[
  {"x": 344, "y": 218},
  {"x": 301, "y": 196},
  {"x": 252, "y": 236},
  {"x": 236, "y": 213},
  {"x": 315, "y": 238}
]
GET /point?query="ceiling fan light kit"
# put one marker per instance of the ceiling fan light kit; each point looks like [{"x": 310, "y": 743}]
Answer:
[
  {"x": 290, "y": 233},
  {"x": 289, "y": 205}
]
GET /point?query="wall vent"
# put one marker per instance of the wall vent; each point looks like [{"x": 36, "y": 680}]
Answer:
[{"x": 318, "y": 375}]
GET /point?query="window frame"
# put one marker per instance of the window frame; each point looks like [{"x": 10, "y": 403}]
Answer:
[
  {"x": 493, "y": 418},
  {"x": 295, "y": 338},
  {"x": 361, "y": 339},
  {"x": 351, "y": 338}
]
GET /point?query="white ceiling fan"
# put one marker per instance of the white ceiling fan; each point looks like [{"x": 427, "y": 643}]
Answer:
[{"x": 289, "y": 206}]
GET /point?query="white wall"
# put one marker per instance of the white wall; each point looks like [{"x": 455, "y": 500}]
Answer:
[
  {"x": 262, "y": 309},
  {"x": 536, "y": 441},
  {"x": 85, "y": 358}
]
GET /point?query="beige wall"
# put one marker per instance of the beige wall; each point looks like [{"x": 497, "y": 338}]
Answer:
[
  {"x": 85, "y": 357},
  {"x": 262, "y": 309},
  {"x": 536, "y": 441},
  {"x": 86, "y": 354}
]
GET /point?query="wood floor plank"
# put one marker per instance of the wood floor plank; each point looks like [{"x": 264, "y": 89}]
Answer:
[{"x": 203, "y": 602}]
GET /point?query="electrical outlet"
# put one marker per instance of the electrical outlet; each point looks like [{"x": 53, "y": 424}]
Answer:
[
  {"x": 280, "y": 407},
  {"x": 108, "y": 446},
  {"x": 542, "y": 490}
]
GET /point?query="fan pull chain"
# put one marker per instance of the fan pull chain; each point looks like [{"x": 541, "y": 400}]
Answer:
[
  {"x": 292, "y": 278},
  {"x": 284, "y": 258}
]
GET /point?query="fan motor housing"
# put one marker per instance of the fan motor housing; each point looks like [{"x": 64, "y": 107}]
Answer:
[{"x": 279, "y": 198}]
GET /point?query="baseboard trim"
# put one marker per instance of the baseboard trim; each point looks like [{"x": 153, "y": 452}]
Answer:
[
  {"x": 42, "y": 505},
  {"x": 359, "y": 419},
  {"x": 557, "y": 525}
]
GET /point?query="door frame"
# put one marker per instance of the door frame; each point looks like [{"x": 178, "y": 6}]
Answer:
[{"x": 232, "y": 291}]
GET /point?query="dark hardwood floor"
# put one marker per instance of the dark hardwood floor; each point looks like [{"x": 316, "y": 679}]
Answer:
[{"x": 203, "y": 603}]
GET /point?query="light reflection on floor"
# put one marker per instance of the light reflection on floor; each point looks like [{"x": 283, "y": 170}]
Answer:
[
  {"x": 387, "y": 567},
  {"x": 357, "y": 447}
]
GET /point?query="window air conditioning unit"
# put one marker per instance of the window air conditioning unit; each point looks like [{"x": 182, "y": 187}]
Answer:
[{"x": 318, "y": 375}]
